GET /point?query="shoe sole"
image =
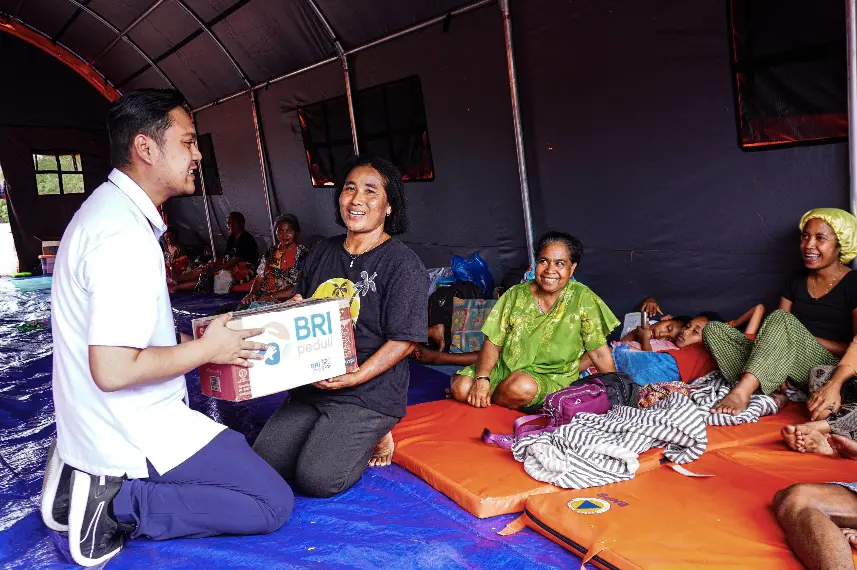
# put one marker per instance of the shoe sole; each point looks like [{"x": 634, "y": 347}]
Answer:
[
  {"x": 50, "y": 484},
  {"x": 80, "y": 487}
]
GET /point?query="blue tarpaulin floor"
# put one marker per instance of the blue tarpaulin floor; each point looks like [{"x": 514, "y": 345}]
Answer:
[{"x": 390, "y": 519}]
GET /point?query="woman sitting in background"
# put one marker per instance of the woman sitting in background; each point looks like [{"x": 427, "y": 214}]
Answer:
[
  {"x": 537, "y": 333},
  {"x": 279, "y": 267},
  {"x": 813, "y": 326}
]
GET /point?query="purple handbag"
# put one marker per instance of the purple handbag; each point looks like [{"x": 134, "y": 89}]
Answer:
[{"x": 587, "y": 396}]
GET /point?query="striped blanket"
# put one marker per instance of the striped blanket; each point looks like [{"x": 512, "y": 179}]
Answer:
[{"x": 595, "y": 450}]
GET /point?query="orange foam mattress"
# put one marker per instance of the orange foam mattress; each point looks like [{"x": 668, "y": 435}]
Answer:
[
  {"x": 440, "y": 443},
  {"x": 664, "y": 520}
]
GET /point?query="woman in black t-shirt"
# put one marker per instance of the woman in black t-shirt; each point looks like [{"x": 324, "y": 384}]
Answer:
[
  {"x": 326, "y": 434},
  {"x": 813, "y": 326}
]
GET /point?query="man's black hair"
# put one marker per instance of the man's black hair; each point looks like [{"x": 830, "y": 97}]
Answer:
[{"x": 144, "y": 111}]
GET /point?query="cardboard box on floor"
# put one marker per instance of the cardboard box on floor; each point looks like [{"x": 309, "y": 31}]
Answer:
[{"x": 308, "y": 341}]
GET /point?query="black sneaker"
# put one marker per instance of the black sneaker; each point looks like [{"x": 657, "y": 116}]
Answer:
[
  {"x": 56, "y": 487},
  {"x": 94, "y": 534}
]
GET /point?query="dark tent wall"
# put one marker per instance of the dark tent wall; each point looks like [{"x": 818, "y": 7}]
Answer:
[
  {"x": 473, "y": 203},
  {"x": 635, "y": 98},
  {"x": 45, "y": 106},
  {"x": 630, "y": 129}
]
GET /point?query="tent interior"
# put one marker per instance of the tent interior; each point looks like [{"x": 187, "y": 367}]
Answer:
[{"x": 632, "y": 135}]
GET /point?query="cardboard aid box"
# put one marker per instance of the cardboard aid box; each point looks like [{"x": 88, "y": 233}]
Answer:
[{"x": 307, "y": 341}]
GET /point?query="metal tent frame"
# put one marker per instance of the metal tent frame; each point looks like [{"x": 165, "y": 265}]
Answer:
[
  {"x": 342, "y": 56},
  {"x": 87, "y": 69}
]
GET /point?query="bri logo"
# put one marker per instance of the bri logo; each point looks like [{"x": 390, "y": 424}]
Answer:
[
  {"x": 318, "y": 324},
  {"x": 616, "y": 502},
  {"x": 272, "y": 355},
  {"x": 317, "y": 329}
]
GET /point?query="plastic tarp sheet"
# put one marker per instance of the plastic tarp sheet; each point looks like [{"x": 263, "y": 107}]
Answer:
[{"x": 390, "y": 519}]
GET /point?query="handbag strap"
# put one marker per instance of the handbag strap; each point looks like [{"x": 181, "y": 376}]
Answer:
[{"x": 523, "y": 426}]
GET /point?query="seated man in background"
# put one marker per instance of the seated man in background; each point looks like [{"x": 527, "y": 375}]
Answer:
[{"x": 239, "y": 259}]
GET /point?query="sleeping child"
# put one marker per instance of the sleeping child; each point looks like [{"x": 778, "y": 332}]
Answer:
[{"x": 688, "y": 362}]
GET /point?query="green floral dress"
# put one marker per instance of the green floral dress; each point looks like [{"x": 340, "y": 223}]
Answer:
[{"x": 546, "y": 346}]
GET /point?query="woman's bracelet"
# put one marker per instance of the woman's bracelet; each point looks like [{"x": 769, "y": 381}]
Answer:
[{"x": 483, "y": 378}]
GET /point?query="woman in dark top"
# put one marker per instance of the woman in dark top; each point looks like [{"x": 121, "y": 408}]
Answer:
[
  {"x": 323, "y": 437},
  {"x": 814, "y": 325}
]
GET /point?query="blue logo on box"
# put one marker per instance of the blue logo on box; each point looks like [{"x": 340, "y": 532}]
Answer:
[{"x": 273, "y": 354}]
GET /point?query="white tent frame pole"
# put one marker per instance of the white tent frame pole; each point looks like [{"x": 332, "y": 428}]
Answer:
[
  {"x": 127, "y": 30},
  {"x": 352, "y": 51},
  {"x": 343, "y": 58},
  {"x": 127, "y": 40},
  {"x": 260, "y": 147},
  {"x": 349, "y": 98},
  {"x": 519, "y": 135},
  {"x": 851, "y": 42},
  {"x": 205, "y": 199}
]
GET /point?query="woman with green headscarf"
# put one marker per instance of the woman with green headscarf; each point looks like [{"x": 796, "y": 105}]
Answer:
[{"x": 815, "y": 322}]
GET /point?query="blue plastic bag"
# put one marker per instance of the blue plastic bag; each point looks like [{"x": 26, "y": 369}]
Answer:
[{"x": 474, "y": 270}]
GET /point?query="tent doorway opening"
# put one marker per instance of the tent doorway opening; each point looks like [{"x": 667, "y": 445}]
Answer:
[{"x": 8, "y": 255}]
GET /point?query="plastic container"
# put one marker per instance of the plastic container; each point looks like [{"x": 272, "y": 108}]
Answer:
[
  {"x": 47, "y": 264},
  {"x": 50, "y": 247}
]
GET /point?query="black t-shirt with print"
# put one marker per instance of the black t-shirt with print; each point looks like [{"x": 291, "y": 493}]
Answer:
[
  {"x": 828, "y": 317},
  {"x": 388, "y": 285},
  {"x": 244, "y": 246}
]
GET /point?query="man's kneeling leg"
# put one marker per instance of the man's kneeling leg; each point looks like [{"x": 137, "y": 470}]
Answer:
[{"x": 225, "y": 488}]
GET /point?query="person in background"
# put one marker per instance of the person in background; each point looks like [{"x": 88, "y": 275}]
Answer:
[
  {"x": 279, "y": 268},
  {"x": 326, "y": 434},
  {"x": 239, "y": 259},
  {"x": 175, "y": 255},
  {"x": 130, "y": 456},
  {"x": 537, "y": 333},
  {"x": 820, "y": 519},
  {"x": 815, "y": 322}
]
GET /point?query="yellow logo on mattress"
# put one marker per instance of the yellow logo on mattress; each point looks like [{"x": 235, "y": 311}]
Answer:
[{"x": 589, "y": 506}]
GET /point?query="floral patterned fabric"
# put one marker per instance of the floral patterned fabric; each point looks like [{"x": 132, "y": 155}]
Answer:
[
  {"x": 468, "y": 317},
  {"x": 278, "y": 270},
  {"x": 546, "y": 346}
]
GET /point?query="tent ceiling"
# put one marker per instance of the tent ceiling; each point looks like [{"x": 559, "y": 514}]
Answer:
[{"x": 265, "y": 38}]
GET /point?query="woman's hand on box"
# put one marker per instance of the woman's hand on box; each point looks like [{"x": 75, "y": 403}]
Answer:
[{"x": 228, "y": 346}]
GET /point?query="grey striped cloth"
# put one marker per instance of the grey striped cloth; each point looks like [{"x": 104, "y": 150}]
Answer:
[
  {"x": 712, "y": 388},
  {"x": 595, "y": 450}
]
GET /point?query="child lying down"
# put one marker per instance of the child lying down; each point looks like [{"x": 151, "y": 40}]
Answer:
[{"x": 647, "y": 363}]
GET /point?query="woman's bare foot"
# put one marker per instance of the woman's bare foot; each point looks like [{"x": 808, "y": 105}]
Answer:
[
  {"x": 847, "y": 448},
  {"x": 815, "y": 442},
  {"x": 734, "y": 403},
  {"x": 789, "y": 434},
  {"x": 850, "y": 535},
  {"x": 383, "y": 454}
]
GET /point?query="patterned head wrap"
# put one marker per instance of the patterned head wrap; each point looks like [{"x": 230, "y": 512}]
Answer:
[{"x": 844, "y": 225}]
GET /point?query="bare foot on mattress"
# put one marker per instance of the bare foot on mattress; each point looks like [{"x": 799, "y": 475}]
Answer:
[
  {"x": 847, "y": 448},
  {"x": 383, "y": 454},
  {"x": 734, "y": 403},
  {"x": 814, "y": 442},
  {"x": 789, "y": 434}
]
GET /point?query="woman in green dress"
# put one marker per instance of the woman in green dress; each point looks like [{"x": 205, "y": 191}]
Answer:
[{"x": 537, "y": 333}]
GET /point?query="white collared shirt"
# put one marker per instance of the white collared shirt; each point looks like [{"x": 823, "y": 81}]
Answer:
[{"x": 109, "y": 289}]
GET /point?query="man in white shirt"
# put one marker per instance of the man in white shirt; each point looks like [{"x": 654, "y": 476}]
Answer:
[{"x": 130, "y": 456}]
